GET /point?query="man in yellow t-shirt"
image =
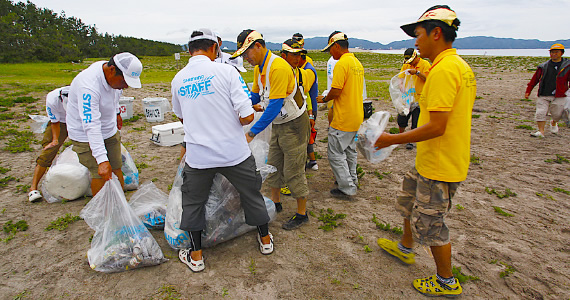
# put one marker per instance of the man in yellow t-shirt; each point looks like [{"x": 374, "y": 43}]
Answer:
[
  {"x": 418, "y": 68},
  {"x": 274, "y": 84},
  {"x": 348, "y": 114},
  {"x": 442, "y": 160}
]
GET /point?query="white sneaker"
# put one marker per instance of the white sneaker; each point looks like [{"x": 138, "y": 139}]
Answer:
[
  {"x": 554, "y": 129},
  {"x": 265, "y": 249},
  {"x": 537, "y": 134},
  {"x": 34, "y": 196},
  {"x": 194, "y": 265}
]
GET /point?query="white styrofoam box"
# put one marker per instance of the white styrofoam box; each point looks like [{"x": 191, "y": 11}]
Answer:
[
  {"x": 169, "y": 134},
  {"x": 126, "y": 107},
  {"x": 155, "y": 108}
]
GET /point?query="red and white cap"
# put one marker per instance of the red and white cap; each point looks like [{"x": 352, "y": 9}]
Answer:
[{"x": 131, "y": 67}]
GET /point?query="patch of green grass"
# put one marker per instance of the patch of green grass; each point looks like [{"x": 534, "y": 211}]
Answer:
[
  {"x": 475, "y": 116},
  {"x": 335, "y": 281},
  {"x": 545, "y": 195},
  {"x": 19, "y": 140},
  {"x": 61, "y": 223},
  {"x": 325, "y": 140},
  {"x": 495, "y": 117},
  {"x": 224, "y": 292},
  {"x": 394, "y": 130},
  {"x": 478, "y": 97},
  {"x": 561, "y": 190},
  {"x": 7, "y": 116},
  {"x": 459, "y": 206},
  {"x": 475, "y": 160},
  {"x": 4, "y": 170},
  {"x": 330, "y": 219},
  {"x": 381, "y": 176},
  {"x": 11, "y": 228},
  {"x": 317, "y": 155},
  {"x": 367, "y": 249},
  {"x": 508, "y": 193},
  {"x": 142, "y": 128},
  {"x": 154, "y": 179},
  {"x": 462, "y": 277},
  {"x": 141, "y": 165},
  {"x": 167, "y": 292},
  {"x": 502, "y": 212},
  {"x": 252, "y": 266},
  {"x": 133, "y": 119},
  {"x": 508, "y": 270},
  {"x": 22, "y": 188},
  {"x": 387, "y": 226},
  {"x": 526, "y": 100},
  {"x": 4, "y": 181},
  {"x": 21, "y": 295},
  {"x": 559, "y": 160},
  {"x": 359, "y": 171},
  {"x": 528, "y": 127}
]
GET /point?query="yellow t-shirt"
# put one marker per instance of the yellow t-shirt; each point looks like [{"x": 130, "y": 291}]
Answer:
[
  {"x": 281, "y": 78},
  {"x": 450, "y": 87},
  {"x": 423, "y": 66},
  {"x": 348, "y": 76},
  {"x": 308, "y": 81},
  {"x": 310, "y": 60}
]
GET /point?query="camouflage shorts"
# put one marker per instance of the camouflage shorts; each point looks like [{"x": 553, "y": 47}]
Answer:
[{"x": 425, "y": 203}]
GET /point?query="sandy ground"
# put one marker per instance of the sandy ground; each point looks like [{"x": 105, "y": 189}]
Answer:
[{"x": 309, "y": 263}]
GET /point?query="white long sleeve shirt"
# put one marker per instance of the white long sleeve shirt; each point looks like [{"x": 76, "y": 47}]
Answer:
[
  {"x": 54, "y": 105},
  {"x": 92, "y": 110},
  {"x": 210, "y": 98}
]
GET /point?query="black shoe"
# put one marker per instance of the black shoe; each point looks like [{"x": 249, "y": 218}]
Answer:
[
  {"x": 312, "y": 165},
  {"x": 278, "y": 207},
  {"x": 409, "y": 146},
  {"x": 295, "y": 222},
  {"x": 338, "y": 193}
]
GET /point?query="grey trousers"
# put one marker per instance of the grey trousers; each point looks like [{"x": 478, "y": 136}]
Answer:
[
  {"x": 196, "y": 189},
  {"x": 342, "y": 158}
]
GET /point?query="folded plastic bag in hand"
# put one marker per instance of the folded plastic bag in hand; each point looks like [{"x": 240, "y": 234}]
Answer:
[
  {"x": 369, "y": 132},
  {"x": 67, "y": 179},
  {"x": 222, "y": 202},
  {"x": 149, "y": 204},
  {"x": 260, "y": 144},
  {"x": 402, "y": 92},
  {"x": 121, "y": 242},
  {"x": 40, "y": 123},
  {"x": 130, "y": 171}
]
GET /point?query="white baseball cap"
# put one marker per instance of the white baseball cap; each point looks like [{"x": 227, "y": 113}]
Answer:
[
  {"x": 131, "y": 67},
  {"x": 237, "y": 63},
  {"x": 205, "y": 34}
]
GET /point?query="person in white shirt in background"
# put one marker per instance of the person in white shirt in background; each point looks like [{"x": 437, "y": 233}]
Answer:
[
  {"x": 215, "y": 145},
  {"x": 53, "y": 139},
  {"x": 93, "y": 117}
]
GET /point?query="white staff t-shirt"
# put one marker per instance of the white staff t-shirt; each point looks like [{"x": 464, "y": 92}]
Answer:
[
  {"x": 54, "y": 104},
  {"x": 92, "y": 110},
  {"x": 210, "y": 98}
]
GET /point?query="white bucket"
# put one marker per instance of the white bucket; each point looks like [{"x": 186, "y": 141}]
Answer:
[
  {"x": 154, "y": 108},
  {"x": 126, "y": 107}
]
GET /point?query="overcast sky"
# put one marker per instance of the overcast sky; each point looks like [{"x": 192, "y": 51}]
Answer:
[{"x": 374, "y": 20}]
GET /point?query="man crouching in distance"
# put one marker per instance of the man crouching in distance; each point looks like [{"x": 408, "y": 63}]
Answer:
[{"x": 200, "y": 88}]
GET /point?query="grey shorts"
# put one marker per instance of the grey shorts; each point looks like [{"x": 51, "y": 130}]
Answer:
[
  {"x": 426, "y": 202},
  {"x": 549, "y": 104}
]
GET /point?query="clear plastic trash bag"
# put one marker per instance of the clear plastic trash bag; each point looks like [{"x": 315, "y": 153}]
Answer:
[
  {"x": 225, "y": 218},
  {"x": 149, "y": 204},
  {"x": 121, "y": 242},
  {"x": 67, "y": 179},
  {"x": 260, "y": 144},
  {"x": 402, "y": 92},
  {"x": 369, "y": 132},
  {"x": 130, "y": 171},
  {"x": 40, "y": 123}
]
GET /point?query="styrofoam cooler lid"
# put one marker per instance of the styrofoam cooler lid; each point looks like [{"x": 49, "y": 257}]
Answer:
[
  {"x": 126, "y": 99},
  {"x": 154, "y": 100}
]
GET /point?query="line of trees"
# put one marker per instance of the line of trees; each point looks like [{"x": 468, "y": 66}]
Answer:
[{"x": 29, "y": 33}]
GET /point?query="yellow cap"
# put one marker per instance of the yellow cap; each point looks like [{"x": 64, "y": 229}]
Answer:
[
  {"x": 338, "y": 36},
  {"x": 440, "y": 12},
  {"x": 557, "y": 47},
  {"x": 245, "y": 39}
]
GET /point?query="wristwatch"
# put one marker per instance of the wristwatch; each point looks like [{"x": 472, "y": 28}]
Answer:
[{"x": 251, "y": 134}]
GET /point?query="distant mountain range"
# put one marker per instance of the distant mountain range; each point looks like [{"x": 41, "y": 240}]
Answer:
[{"x": 472, "y": 42}]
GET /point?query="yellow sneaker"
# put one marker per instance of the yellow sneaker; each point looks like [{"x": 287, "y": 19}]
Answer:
[
  {"x": 392, "y": 248},
  {"x": 285, "y": 191},
  {"x": 431, "y": 286}
]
